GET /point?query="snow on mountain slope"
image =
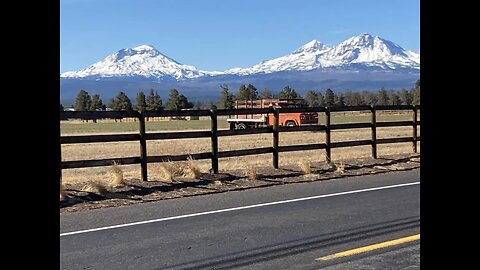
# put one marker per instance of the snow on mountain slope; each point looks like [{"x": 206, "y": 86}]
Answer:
[
  {"x": 143, "y": 60},
  {"x": 362, "y": 52},
  {"x": 304, "y": 58}
]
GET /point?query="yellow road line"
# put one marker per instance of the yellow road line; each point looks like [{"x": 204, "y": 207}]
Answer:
[{"x": 369, "y": 248}]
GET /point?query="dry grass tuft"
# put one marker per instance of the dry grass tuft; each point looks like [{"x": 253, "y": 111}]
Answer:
[
  {"x": 118, "y": 176},
  {"x": 168, "y": 170},
  {"x": 340, "y": 168},
  {"x": 191, "y": 169},
  {"x": 95, "y": 187},
  {"x": 217, "y": 183},
  {"x": 250, "y": 172},
  {"x": 305, "y": 166}
]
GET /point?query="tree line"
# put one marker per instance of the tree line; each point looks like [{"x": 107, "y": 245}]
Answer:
[{"x": 313, "y": 98}]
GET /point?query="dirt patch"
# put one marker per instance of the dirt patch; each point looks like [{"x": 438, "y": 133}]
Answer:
[{"x": 136, "y": 191}]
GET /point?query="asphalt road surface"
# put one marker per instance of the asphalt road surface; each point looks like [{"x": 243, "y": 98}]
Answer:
[{"x": 295, "y": 226}]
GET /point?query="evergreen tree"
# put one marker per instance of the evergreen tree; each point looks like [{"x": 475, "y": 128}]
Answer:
[
  {"x": 141, "y": 105},
  {"x": 369, "y": 98},
  {"x": 339, "y": 100},
  {"x": 153, "y": 101},
  {"x": 226, "y": 99},
  {"x": 121, "y": 103},
  {"x": 353, "y": 99},
  {"x": 265, "y": 93},
  {"x": 83, "y": 101},
  {"x": 288, "y": 93},
  {"x": 242, "y": 93},
  {"x": 405, "y": 96},
  {"x": 96, "y": 103},
  {"x": 416, "y": 93},
  {"x": 329, "y": 97},
  {"x": 314, "y": 98},
  {"x": 252, "y": 92},
  {"x": 393, "y": 98},
  {"x": 176, "y": 101},
  {"x": 382, "y": 97}
]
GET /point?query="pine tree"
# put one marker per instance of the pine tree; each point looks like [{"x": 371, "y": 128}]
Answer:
[
  {"x": 393, "y": 98},
  {"x": 226, "y": 99},
  {"x": 314, "y": 98},
  {"x": 176, "y": 101},
  {"x": 339, "y": 100},
  {"x": 242, "y": 93},
  {"x": 121, "y": 103},
  {"x": 83, "y": 101},
  {"x": 353, "y": 99},
  {"x": 252, "y": 92},
  {"x": 369, "y": 98},
  {"x": 329, "y": 97},
  {"x": 382, "y": 97},
  {"x": 265, "y": 93},
  {"x": 406, "y": 97},
  {"x": 288, "y": 93},
  {"x": 153, "y": 101},
  {"x": 96, "y": 103},
  {"x": 416, "y": 93},
  {"x": 141, "y": 103}
]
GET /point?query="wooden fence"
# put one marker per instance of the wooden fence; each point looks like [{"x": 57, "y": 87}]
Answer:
[{"x": 214, "y": 133}]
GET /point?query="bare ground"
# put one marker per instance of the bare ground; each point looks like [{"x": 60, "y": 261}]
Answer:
[{"x": 136, "y": 191}]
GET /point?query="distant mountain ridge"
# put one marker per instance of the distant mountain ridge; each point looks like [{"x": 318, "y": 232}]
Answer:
[{"x": 361, "y": 62}]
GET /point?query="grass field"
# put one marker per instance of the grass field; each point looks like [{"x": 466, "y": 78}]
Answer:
[
  {"x": 198, "y": 145},
  {"x": 110, "y": 127}
]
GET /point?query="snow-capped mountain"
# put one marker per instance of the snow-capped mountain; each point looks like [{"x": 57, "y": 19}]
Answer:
[
  {"x": 359, "y": 52},
  {"x": 304, "y": 58},
  {"x": 143, "y": 61},
  {"x": 364, "y": 52}
]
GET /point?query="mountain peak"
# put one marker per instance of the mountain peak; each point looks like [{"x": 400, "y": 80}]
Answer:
[
  {"x": 144, "y": 47},
  {"x": 312, "y": 46}
]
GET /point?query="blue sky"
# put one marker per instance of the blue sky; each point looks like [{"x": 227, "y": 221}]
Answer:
[{"x": 222, "y": 34}]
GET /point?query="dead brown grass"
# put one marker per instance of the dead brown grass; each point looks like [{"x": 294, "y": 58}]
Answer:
[
  {"x": 95, "y": 187},
  {"x": 191, "y": 169},
  {"x": 305, "y": 166},
  {"x": 117, "y": 180},
  {"x": 250, "y": 172},
  {"x": 167, "y": 172}
]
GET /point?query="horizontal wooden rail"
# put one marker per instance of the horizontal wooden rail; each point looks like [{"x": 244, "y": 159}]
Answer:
[
  {"x": 350, "y": 143},
  {"x": 98, "y": 138},
  {"x": 350, "y": 126},
  {"x": 395, "y": 124},
  {"x": 394, "y": 140},
  {"x": 99, "y": 162},
  {"x": 245, "y": 152},
  {"x": 303, "y": 147},
  {"x": 166, "y": 158},
  {"x": 349, "y": 108},
  {"x": 244, "y": 131},
  {"x": 177, "y": 135},
  {"x": 302, "y": 128}
]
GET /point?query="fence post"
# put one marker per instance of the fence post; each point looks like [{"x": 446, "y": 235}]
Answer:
[
  {"x": 328, "y": 136},
  {"x": 143, "y": 147},
  {"x": 374, "y": 132},
  {"x": 276, "y": 123},
  {"x": 414, "y": 129},
  {"x": 213, "y": 118}
]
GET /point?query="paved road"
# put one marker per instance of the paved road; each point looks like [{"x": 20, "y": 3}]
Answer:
[{"x": 279, "y": 227}]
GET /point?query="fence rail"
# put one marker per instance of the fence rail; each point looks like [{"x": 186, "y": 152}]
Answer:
[{"x": 214, "y": 133}]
